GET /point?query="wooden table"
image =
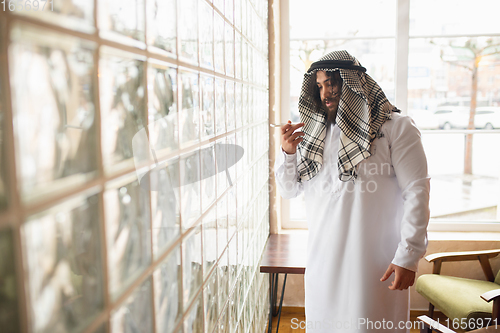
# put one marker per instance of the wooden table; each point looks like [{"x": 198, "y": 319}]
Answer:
[{"x": 286, "y": 254}]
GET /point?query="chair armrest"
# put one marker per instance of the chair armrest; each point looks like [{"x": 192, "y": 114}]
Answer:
[
  {"x": 434, "y": 325},
  {"x": 461, "y": 256},
  {"x": 482, "y": 256},
  {"x": 491, "y": 295}
]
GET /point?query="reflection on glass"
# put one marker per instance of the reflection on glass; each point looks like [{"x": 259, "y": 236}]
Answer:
[
  {"x": 230, "y": 103},
  {"x": 127, "y": 221},
  {"x": 206, "y": 35},
  {"x": 189, "y": 116},
  {"x": 219, "y": 42},
  {"x": 122, "y": 106},
  {"x": 162, "y": 29},
  {"x": 162, "y": 111},
  {"x": 193, "y": 322},
  {"x": 9, "y": 320},
  {"x": 188, "y": 35},
  {"x": 168, "y": 294},
  {"x": 165, "y": 205},
  {"x": 190, "y": 189},
  {"x": 208, "y": 176},
  {"x": 220, "y": 112},
  {"x": 208, "y": 103},
  {"x": 229, "y": 49},
  {"x": 71, "y": 14},
  {"x": 191, "y": 265},
  {"x": 122, "y": 17},
  {"x": 62, "y": 252},
  {"x": 211, "y": 299},
  {"x": 53, "y": 107},
  {"x": 135, "y": 314},
  {"x": 209, "y": 241}
]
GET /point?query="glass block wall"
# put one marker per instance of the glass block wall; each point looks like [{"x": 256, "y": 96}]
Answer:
[{"x": 134, "y": 165}]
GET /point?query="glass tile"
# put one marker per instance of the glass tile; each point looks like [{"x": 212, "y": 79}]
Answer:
[
  {"x": 188, "y": 35},
  {"x": 219, "y": 42},
  {"x": 136, "y": 313},
  {"x": 163, "y": 125},
  {"x": 209, "y": 241},
  {"x": 62, "y": 249},
  {"x": 237, "y": 54},
  {"x": 193, "y": 322},
  {"x": 244, "y": 60},
  {"x": 219, "y": 4},
  {"x": 165, "y": 206},
  {"x": 70, "y": 14},
  {"x": 233, "y": 263},
  {"x": 190, "y": 189},
  {"x": 191, "y": 265},
  {"x": 220, "y": 107},
  {"x": 237, "y": 14},
  {"x": 211, "y": 302},
  {"x": 120, "y": 20},
  {"x": 223, "y": 321},
  {"x": 233, "y": 153},
  {"x": 238, "y": 104},
  {"x": 207, "y": 107},
  {"x": 230, "y": 104},
  {"x": 208, "y": 176},
  {"x": 9, "y": 319},
  {"x": 3, "y": 150},
  {"x": 126, "y": 207},
  {"x": 206, "y": 35},
  {"x": 52, "y": 84},
  {"x": 222, "y": 171},
  {"x": 223, "y": 289},
  {"x": 229, "y": 10},
  {"x": 162, "y": 25},
  {"x": 122, "y": 107},
  {"x": 168, "y": 292},
  {"x": 189, "y": 114}
]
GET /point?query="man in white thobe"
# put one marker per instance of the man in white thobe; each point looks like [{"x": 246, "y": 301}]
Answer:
[{"x": 363, "y": 172}]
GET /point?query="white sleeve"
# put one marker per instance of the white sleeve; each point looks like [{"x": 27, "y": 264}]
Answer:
[
  {"x": 410, "y": 164},
  {"x": 286, "y": 175}
]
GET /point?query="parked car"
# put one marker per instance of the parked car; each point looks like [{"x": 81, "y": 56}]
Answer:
[
  {"x": 452, "y": 117},
  {"x": 487, "y": 117}
]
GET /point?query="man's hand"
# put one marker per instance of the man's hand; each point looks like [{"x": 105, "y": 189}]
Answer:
[
  {"x": 290, "y": 140},
  {"x": 404, "y": 278}
]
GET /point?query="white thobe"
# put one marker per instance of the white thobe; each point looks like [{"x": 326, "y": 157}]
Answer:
[{"x": 357, "y": 228}]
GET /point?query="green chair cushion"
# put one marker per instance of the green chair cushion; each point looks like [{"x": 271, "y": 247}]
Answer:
[{"x": 456, "y": 297}]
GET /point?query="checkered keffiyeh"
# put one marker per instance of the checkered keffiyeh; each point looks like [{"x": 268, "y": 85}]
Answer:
[{"x": 363, "y": 108}]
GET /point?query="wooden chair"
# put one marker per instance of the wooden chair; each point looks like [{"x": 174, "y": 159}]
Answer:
[{"x": 458, "y": 297}]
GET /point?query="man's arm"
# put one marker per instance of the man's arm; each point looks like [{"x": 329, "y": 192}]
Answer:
[{"x": 410, "y": 164}]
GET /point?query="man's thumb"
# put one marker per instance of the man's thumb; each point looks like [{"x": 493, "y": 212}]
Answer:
[{"x": 387, "y": 273}]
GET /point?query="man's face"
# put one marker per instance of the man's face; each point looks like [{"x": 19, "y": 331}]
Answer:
[{"x": 329, "y": 94}]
